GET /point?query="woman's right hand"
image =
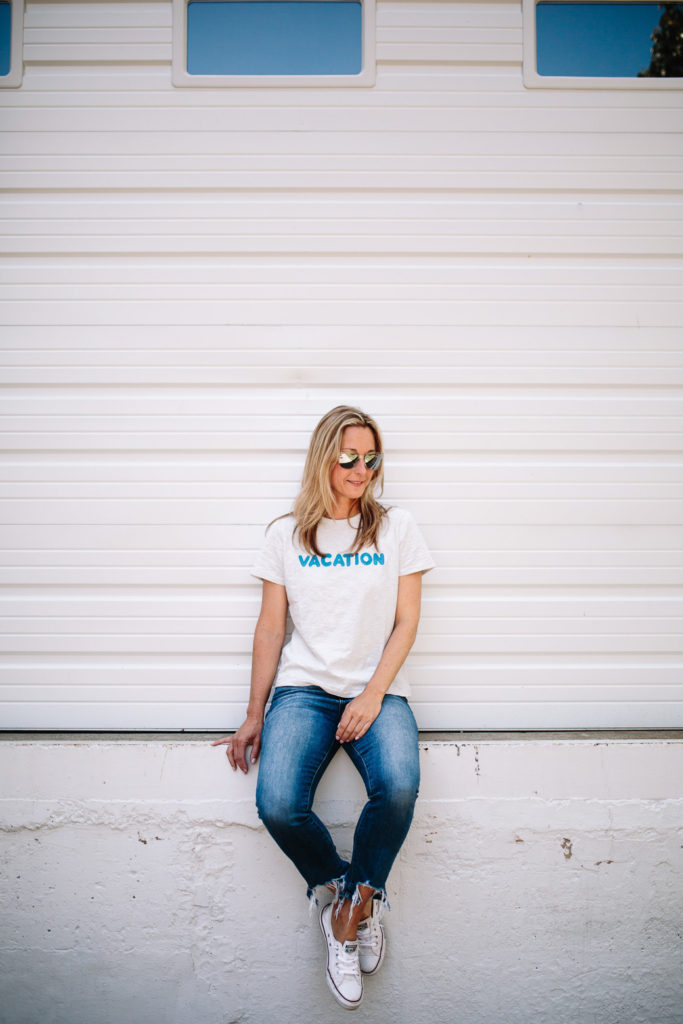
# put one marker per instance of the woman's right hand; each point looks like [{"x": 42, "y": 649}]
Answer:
[
  {"x": 248, "y": 735},
  {"x": 268, "y": 638}
]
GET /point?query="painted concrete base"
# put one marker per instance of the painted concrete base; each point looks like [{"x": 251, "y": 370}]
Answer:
[{"x": 541, "y": 882}]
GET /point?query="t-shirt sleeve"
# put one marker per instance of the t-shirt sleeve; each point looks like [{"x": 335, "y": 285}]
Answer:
[
  {"x": 414, "y": 555},
  {"x": 269, "y": 564}
]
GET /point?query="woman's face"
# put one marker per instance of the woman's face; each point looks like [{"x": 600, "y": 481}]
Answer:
[{"x": 349, "y": 484}]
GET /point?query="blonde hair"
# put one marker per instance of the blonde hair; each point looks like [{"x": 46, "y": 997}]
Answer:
[{"x": 316, "y": 499}]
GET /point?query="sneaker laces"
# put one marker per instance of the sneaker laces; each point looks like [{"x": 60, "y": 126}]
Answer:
[
  {"x": 369, "y": 935},
  {"x": 346, "y": 962}
]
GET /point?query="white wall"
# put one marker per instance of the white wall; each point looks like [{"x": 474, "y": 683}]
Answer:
[
  {"x": 191, "y": 277},
  {"x": 541, "y": 881}
]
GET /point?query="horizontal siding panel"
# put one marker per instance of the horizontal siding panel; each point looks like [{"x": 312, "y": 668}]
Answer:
[
  {"x": 544, "y": 497},
  {"x": 324, "y": 311},
  {"x": 435, "y": 436},
  {"x": 216, "y": 694},
  {"x": 142, "y": 212},
  {"x": 500, "y": 342},
  {"x": 644, "y": 171},
  {"x": 162, "y": 716},
  {"x": 304, "y": 377},
  {"x": 540, "y": 715},
  {"x": 572, "y": 544},
  {"x": 492, "y": 439},
  {"x": 77, "y": 36},
  {"x": 277, "y": 122},
  {"x": 255, "y": 458},
  {"x": 417, "y": 14},
  {"x": 103, "y": 13},
  {"x": 243, "y": 602},
  {"x": 262, "y": 474},
  {"x": 198, "y": 512},
  {"x": 466, "y": 360},
  {"x": 142, "y": 609},
  {"x": 335, "y": 271},
  {"x": 475, "y": 692},
  {"x": 347, "y": 145},
  {"x": 493, "y": 341},
  {"x": 112, "y": 88},
  {"x": 213, "y": 701},
  {"x": 453, "y": 233},
  {"x": 448, "y": 227},
  {"x": 489, "y": 241},
  {"x": 326, "y": 357},
  {"x": 497, "y": 172},
  {"x": 464, "y": 28},
  {"x": 171, "y": 638},
  {"x": 465, "y": 46},
  {"x": 548, "y": 510},
  {"x": 72, "y": 567},
  {"x": 513, "y": 678},
  {"x": 510, "y": 342},
  {"x": 123, "y": 52}
]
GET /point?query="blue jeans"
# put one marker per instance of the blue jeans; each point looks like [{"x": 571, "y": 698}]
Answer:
[{"x": 298, "y": 744}]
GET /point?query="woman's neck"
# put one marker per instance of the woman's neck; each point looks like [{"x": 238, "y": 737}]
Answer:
[{"x": 347, "y": 512}]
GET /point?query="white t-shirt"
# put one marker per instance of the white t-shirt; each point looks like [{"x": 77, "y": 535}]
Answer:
[{"x": 342, "y": 606}]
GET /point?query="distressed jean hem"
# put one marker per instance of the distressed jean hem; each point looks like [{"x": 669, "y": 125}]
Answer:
[{"x": 343, "y": 891}]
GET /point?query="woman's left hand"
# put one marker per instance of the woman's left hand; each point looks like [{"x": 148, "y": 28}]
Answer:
[{"x": 359, "y": 714}]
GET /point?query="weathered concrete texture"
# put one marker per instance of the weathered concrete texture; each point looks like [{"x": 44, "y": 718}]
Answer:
[{"x": 541, "y": 882}]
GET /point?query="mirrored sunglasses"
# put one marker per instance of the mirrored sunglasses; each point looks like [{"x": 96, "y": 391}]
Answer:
[{"x": 372, "y": 460}]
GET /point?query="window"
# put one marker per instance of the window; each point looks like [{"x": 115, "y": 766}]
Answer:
[
  {"x": 11, "y": 42},
  {"x": 603, "y": 44},
  {"x": 273, "y": 42}
]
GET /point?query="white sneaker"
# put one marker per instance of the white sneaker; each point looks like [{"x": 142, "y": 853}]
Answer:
[
  {"x": 343, "y": 969},
  {"x": 371, "y": 941}
]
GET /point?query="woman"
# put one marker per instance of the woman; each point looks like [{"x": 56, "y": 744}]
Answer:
[{"x": 350, "y": 572}]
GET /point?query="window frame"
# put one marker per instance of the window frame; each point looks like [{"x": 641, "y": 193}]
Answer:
[
  {"x": 532, "y": 80},
  {"x": 182, "y": 78},
  {"x": 14, "y": 78}
]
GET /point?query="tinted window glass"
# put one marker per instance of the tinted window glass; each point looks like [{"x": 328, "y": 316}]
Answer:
[
  {"x": 620, "y": 40},
  {"x": 274, "y": 37},
  {"x": 5, "y": 36}
]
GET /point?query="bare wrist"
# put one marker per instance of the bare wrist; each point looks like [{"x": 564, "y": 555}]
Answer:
[{"x": 376, "y": 690}]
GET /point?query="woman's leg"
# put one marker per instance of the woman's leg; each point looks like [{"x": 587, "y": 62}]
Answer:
[
  {"x": 387, "y": 759},
  {"x": 298, "y": 743}
]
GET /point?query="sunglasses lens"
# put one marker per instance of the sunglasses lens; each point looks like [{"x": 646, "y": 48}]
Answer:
[{"x": 372, "y": 460}]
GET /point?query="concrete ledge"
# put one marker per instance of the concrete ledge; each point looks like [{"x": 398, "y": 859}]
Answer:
[
  {"x": 597, "y": 735},
  {"x": 541, "y": 881}
]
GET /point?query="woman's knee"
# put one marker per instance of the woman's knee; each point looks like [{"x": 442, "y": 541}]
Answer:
[
  {"x": 397, "y": 795},
  {"x": 279, "y": 809}
]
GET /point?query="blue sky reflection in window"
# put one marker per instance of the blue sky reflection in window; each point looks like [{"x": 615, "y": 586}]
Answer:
[
  {"x": 5, "y": 37},
  {"x": 274, "y": 37},
  {"x": 605, "y": 40}
]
